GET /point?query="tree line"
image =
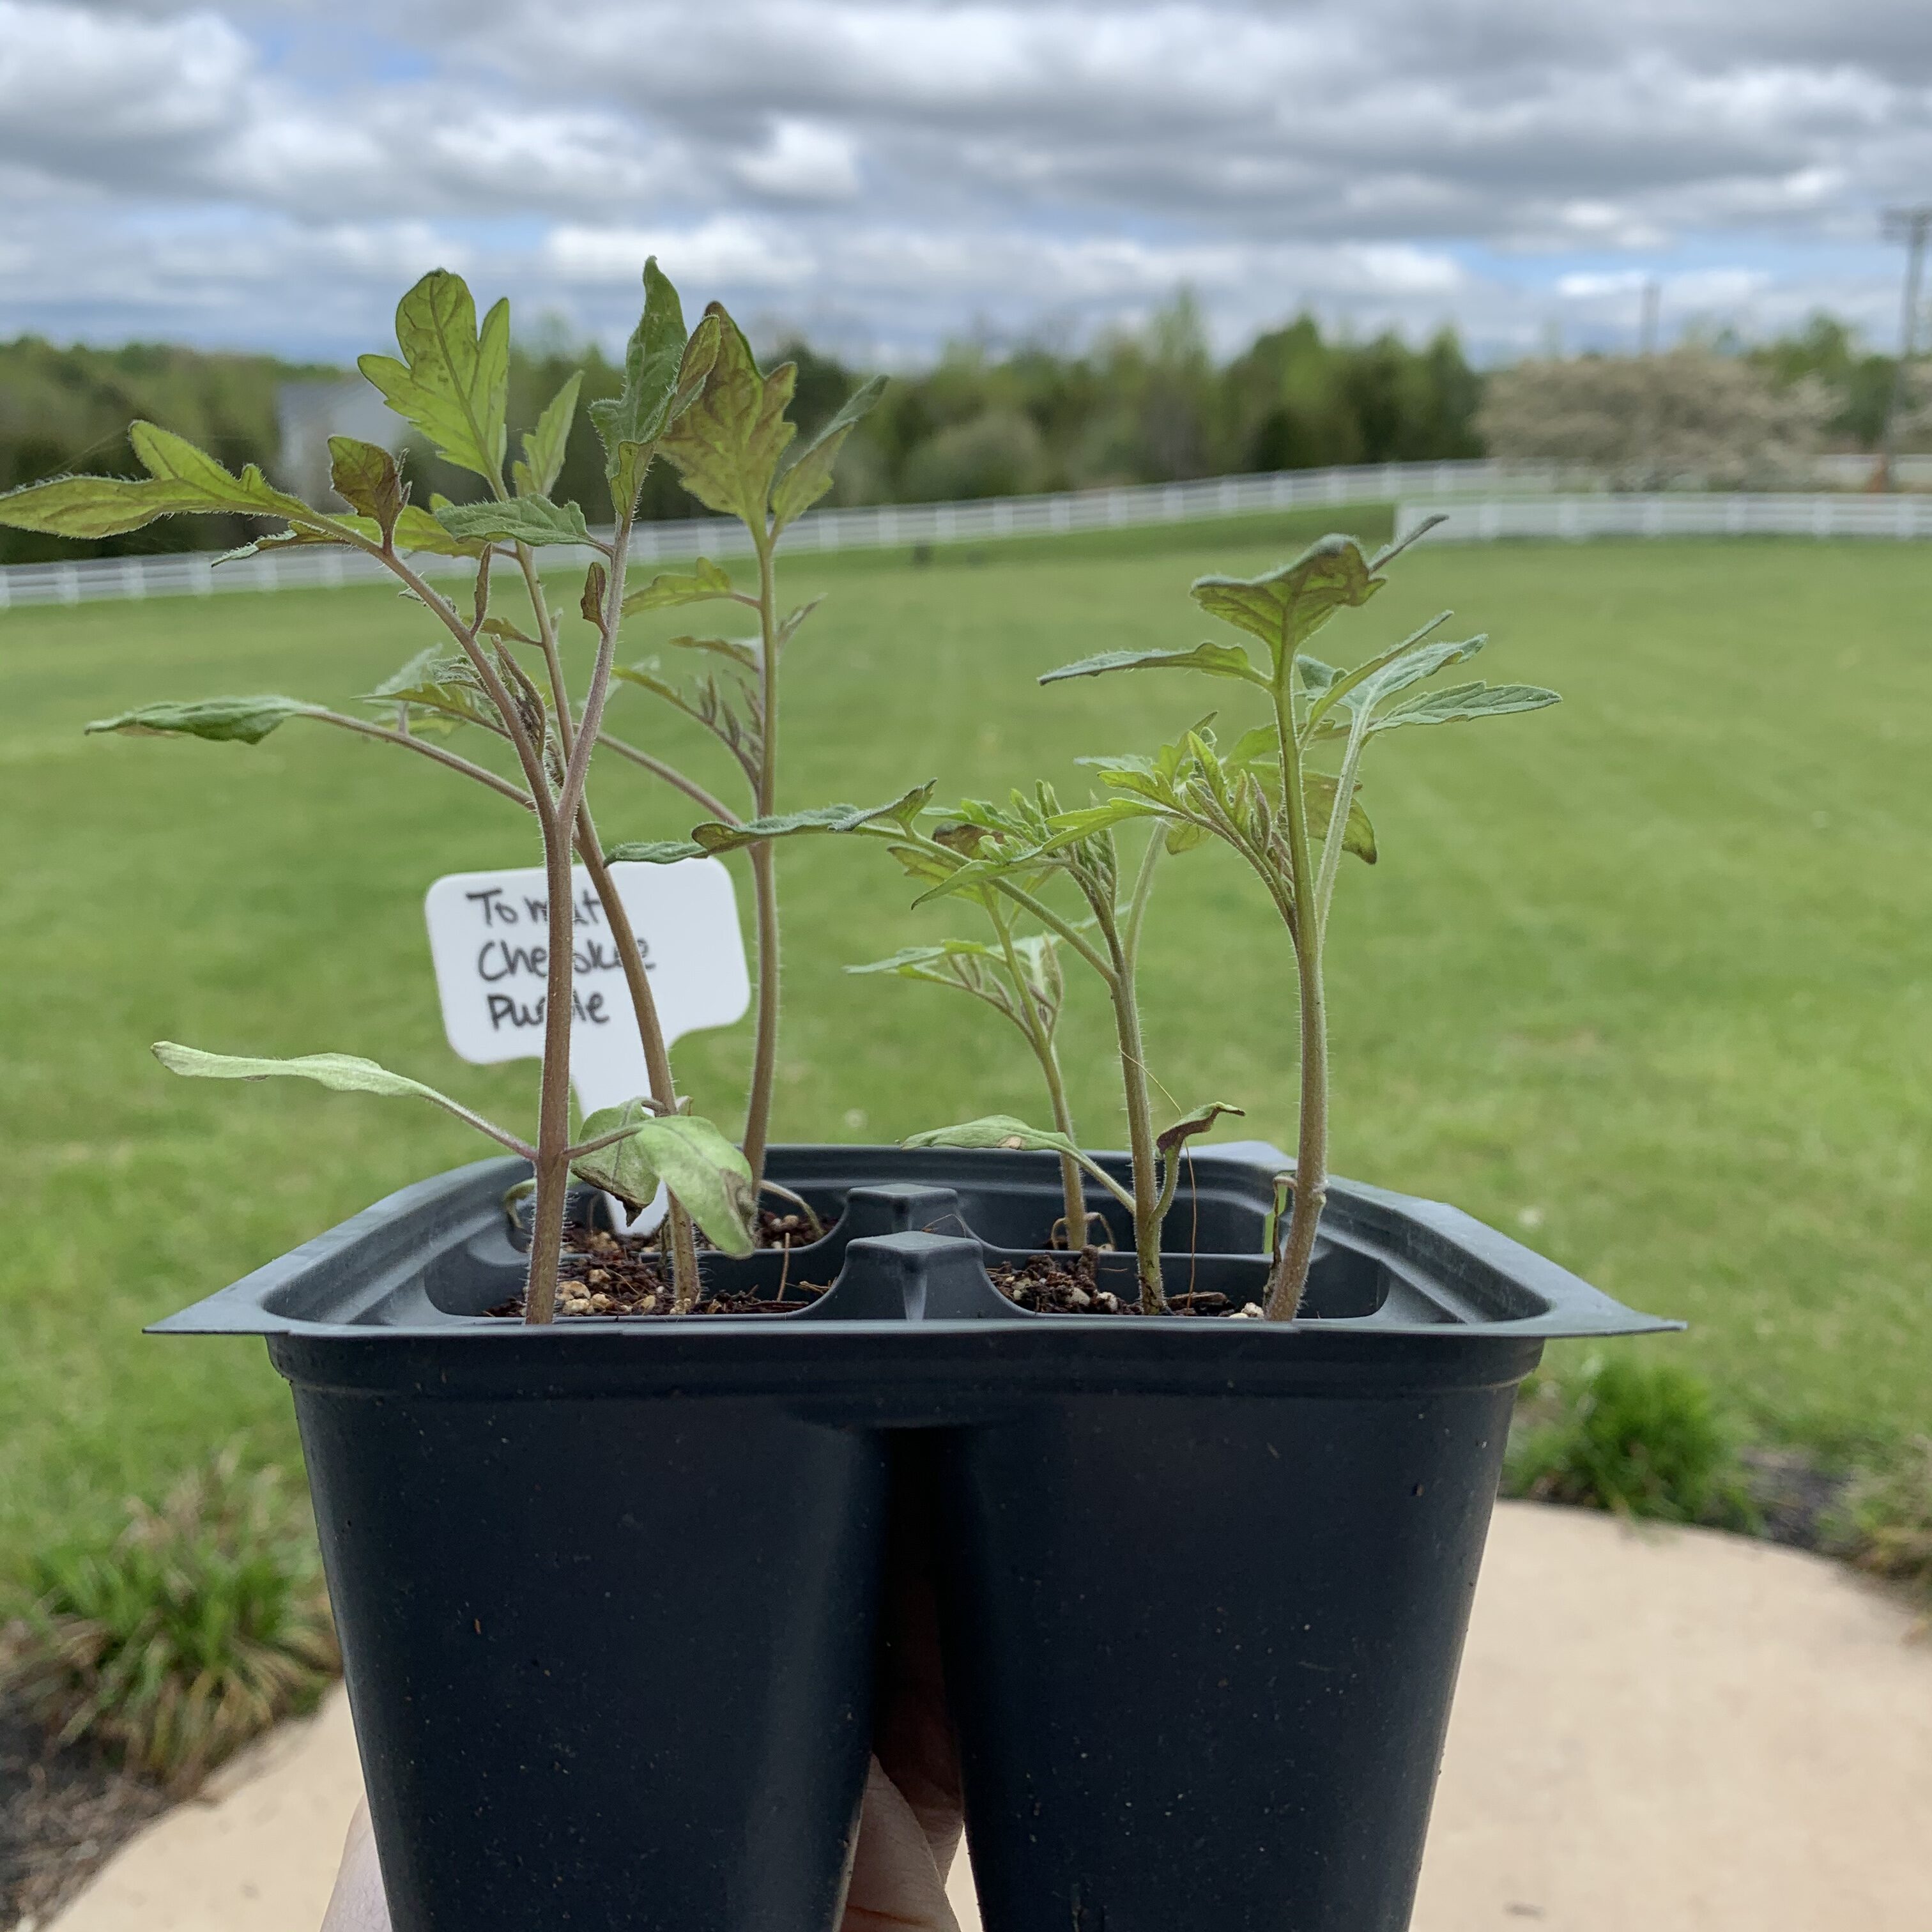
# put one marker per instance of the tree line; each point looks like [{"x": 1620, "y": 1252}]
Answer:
[{"x": 1149, "y": 405}]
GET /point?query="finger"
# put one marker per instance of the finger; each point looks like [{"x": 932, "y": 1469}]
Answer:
[
  {"x": 896, "y": 1885},
  {"x": 912, "y": 1732},
  {"x": 357, "y": 1904}
]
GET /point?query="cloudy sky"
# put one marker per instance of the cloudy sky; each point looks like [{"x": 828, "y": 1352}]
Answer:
[{"x": 888, "y": 173}]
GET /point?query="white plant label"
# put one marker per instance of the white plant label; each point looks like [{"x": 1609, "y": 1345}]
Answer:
[{"x": 489, "y": 938}]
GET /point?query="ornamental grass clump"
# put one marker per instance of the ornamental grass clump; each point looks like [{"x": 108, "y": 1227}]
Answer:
[
  {"x": 500, "y": 667},
  {"x": 203, "y": 1623},
  {"x": 1638, "y": 1440}
]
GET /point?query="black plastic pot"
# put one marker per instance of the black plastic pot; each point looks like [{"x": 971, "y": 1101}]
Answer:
[{"x": 608, "y": 1590}]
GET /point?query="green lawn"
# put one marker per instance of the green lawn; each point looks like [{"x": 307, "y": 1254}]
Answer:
[{"x": 1644, "y": 979}]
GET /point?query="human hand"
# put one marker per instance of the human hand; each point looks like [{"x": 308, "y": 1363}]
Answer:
[{"x": 909, "y": 1829}]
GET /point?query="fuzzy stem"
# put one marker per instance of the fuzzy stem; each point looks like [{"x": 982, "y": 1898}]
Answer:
[
  {"x": 1039, "y": 1031},
  {"x": 1073, "y": 1194},
  {"x": 764, "y": 871},
  {"x": 528, "y": 755},
  {"x": 684, "y": 1280},
  {"x": 1140, "y": 1117},
  {"x": 1289, "y": 1275},
  {"x": 560, "y": 688},
  {"x": 553, "y": 1160},
  {"x": 1338, "y": 821}
]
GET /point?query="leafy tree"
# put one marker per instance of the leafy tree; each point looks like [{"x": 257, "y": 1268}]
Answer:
[{"x": 1691, "y": 414}]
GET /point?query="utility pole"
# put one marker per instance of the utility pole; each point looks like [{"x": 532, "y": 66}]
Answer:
[
  {"x": 1650, "y": 420},
  {"x": 1909, "y": 225}
]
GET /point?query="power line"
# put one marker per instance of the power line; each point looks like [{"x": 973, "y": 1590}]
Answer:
[{"x": 1910, "y": 225}]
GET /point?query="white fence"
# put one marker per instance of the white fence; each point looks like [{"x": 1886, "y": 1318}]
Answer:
[
  {"x": 883, "y": 526},
  {"x": 1685, "y": 513},
  {"x": 1858, "y": 472},
  {"x": 1546, "y": 509}
]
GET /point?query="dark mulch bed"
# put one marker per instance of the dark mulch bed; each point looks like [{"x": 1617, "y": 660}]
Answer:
[
  {"x": 63, "y": 1814},
  {"x": 1798, "y": 1503}
]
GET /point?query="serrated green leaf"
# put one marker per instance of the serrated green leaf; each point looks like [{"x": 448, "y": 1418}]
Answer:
[
  {"x": 1285, "y": 606},
  {"x": 182, "y": 480},
  {"x": 1006, "y": 1130},
  {"x": 961, "y": 964},
  {"x": 365, "y": 477},
  {"x": 671, "y": 588},
  {"x": 645, "y": 676},
  {"x": 1455, "y": 704},
  {"x": 1333, "y": 709},
  {"x": 993, "y": 1130},
  {"x": 656, "y": 851},
  {"x": 1217, "y": 660},
  {"x": 727, "y": 444},
  {"x": 344, "y": 1072},
  {"x": 445, "y": 687},
  {"x": 239, "y": 721},
  {"x": 1183, "y": 835},
  {"x": 923, "y": 866},
  {"x": 913, "y": 958},
  {"x": 705, "y": 1173},
  {"x": 788, "y": 627},
  {"x": 418, "y": 533},
  {"x": 1085, "y": 820},
  {"x": 806, "y": 474},
  {"x": 664, "y": 374},
  {"x": 535, "y": 520},
  {"x": 503, "y": 631},
  {"x": 743, "y": 653},
  {"x": 1198, "y": 1122},
  {"x": 452, "y": 384},
  {"x": 536, "y": 474},
  {"x": 1254, "y": 748},
  {"x": 1418, "y": 665},
  {"x": 1358, "y": 836},
  {"x": 590, "y": 599},
  {"x": 1334, "y": 687},
  {"x": 713, "y": 835}
]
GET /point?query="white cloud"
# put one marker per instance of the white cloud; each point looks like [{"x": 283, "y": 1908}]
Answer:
[
  {"x": 802, "y": 162},
  {"x": 743, "y": 254},
  {"x": 906, "y": 166}
]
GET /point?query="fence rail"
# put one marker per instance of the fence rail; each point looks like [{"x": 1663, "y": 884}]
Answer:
[
  {"x": 1576, "y": 518},
  {"x": 881, "y": 526},
  {"x": 1548, "y": 499}
]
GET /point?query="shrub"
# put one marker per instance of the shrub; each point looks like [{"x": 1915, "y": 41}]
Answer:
[
  {"x": 1888, "y": 1520},
  {"x": 1640, "y": 1440},
  {"x": 201, "y": 1624},
  {"x": 998, "y": 453}
]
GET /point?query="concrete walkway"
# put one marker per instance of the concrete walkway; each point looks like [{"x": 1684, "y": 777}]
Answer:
[{"x": 1670, "y": 1731}]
